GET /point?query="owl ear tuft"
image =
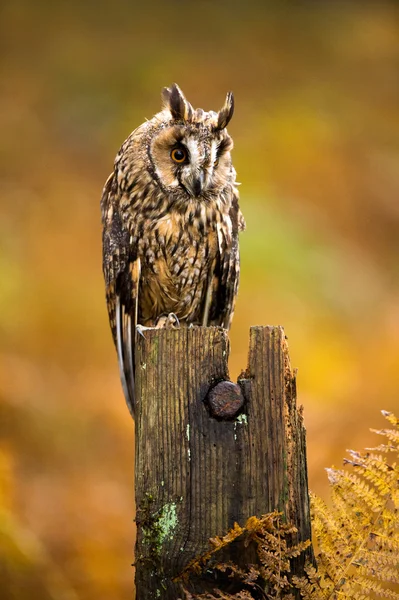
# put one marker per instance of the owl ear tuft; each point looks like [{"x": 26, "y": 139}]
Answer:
[
  {"x": 226, "y": 112},
  {"x": 175, "y": 101}
]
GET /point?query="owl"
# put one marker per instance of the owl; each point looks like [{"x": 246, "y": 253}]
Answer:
[{"x": 171, "y": 221}]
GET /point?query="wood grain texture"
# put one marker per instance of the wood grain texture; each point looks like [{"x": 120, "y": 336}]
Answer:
[{"x": 196, "y": 475}]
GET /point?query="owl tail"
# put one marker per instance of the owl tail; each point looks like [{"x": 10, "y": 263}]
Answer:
[{"x": 125, "y": 337}]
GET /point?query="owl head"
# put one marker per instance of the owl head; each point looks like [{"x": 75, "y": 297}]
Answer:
[{"x": 189, "y": 150}]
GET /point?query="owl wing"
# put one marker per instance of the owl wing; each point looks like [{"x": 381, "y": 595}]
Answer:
[
  {"x": 226, "y": 274},
  {"x": 121, "y": 268}
]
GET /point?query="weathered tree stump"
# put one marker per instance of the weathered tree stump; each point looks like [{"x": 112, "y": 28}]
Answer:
[{"x": 209, "y": 455}]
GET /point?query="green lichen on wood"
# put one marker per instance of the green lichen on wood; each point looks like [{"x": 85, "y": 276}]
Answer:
[
  {"x": 167, "y": 522},
  {"x": 242, "y": 419},
  {"x": 157, "y": 526}
]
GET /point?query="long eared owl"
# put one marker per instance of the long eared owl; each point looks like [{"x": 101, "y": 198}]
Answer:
[{"x": 170, "y": 226}]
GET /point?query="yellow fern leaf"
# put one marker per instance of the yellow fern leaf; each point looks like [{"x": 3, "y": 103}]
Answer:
[
  {"x": 391, "y": 418},
  {"x": 371, "y": 586},
  {"x": 358, "y": 538},
  {"x": 391, "y": 434}
]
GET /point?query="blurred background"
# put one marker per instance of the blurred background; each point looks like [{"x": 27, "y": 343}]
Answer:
[{"x": 316, "y": 134}]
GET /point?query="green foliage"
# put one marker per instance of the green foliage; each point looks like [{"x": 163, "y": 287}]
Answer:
[{"x": 356, "y": 539}]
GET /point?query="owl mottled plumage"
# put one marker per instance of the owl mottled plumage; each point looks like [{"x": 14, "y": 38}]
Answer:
[{"x": 171, "y": 221}]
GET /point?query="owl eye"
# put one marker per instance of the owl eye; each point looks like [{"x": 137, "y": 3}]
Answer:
[{"x": 179, "y": 155}]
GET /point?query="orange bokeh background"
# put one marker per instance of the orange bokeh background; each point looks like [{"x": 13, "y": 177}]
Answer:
[{"x": 316, "y": 134}]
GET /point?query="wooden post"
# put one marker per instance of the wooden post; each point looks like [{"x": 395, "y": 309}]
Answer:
[{"x": 197, "y": 474}]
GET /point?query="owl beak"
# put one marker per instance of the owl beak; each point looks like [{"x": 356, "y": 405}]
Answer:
[{"x": 197, "y": 184}]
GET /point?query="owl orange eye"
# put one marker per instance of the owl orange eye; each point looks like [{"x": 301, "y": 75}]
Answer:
[{"x": 179, "y": 155}]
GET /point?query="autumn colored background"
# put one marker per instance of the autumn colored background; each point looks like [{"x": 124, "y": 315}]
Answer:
[{"x": 316, "y": 134}]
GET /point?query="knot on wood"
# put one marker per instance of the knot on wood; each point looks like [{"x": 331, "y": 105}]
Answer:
[{"x": 225, "y": 400}]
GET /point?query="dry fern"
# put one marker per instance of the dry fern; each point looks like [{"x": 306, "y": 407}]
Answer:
[
  {"x": 220, "y": 596},
  {"x": 270, "y": 578},
  {"x": 358, "y": 538}
]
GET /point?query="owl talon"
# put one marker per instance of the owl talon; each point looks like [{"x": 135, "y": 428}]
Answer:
[
  {"x": 172, "y": 322},
  {"x": 140, "y": 329},
  {"x": 169, "y": 321}
]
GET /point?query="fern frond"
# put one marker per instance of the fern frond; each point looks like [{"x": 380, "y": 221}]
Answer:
[
  {"x": 391, "y": 434},
  {"x": 310, "y": 588},
  {"x": 298, "y": 549},
  {"x": 383, "y": 573},
  {"x": 376, "y": 559},
  {"x": 197, "y": 564},
  {"x": 275, "y": 549},
  {"x": 393, "y": 420},
  {"x": 382, "y": 447},
  {"x": 331, "y": 536},
  {"x": 360, "y": 495},
  {"x": 358, "y": 538},
  {"x": 386, "y": 542},
  {"x": 371, "y": 586},
  {"x": 374, "y": 468},
  {"x": 306, "y": 589}
]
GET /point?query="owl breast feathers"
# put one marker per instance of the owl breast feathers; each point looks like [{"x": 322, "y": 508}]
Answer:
[{"x": 170, "y": 226}]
